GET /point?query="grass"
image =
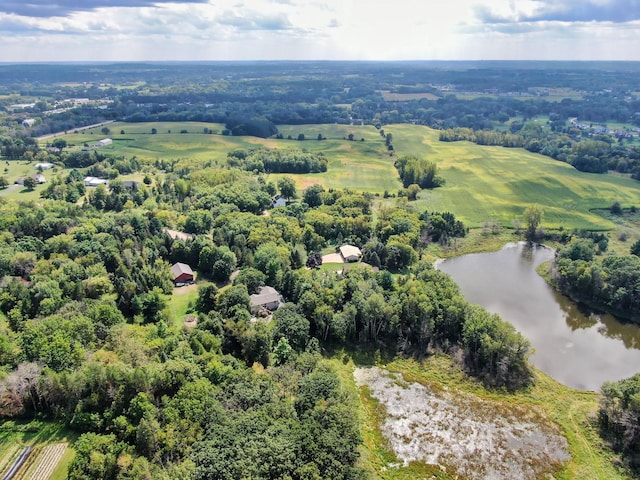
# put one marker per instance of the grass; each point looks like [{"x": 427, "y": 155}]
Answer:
[
  {"x": 38, "y": 434},
  {"x": 482, "y": 183},
  {"x": 14, "y": 169},
  {"x": 572, "y": 410},
  {"x": 485, "y": 183},
  {"x": 357, "y": 165},
  {"x": 181, "y": 301}
]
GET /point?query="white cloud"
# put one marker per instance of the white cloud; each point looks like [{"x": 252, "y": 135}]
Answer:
[{"x": 327, "y": 29}]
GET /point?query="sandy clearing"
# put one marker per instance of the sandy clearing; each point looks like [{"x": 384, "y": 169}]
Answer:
[{"x": 478, "y": 438}]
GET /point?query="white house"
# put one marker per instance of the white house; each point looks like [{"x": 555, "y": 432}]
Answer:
[
  {"x": 94, "y": 181},
  {"x": 350, "y": 253},
  {"x": 28, "y": 122}
]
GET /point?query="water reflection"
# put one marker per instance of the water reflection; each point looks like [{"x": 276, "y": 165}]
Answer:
[{"x": 578, "y": 347}]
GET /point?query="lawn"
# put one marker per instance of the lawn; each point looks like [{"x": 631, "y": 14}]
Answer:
[
  {"x": 14, "y": 169},
  {"x": 484, "y": 183}
]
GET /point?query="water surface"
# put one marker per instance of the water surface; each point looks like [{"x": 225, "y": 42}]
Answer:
[{"x": 578, "y": 348}]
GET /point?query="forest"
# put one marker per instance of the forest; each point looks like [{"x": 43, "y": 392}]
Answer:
[{"x": 89, "y": 341}]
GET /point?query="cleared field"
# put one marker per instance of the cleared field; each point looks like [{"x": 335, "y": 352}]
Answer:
[
  {"x": 485, "y": 183},
  {"x": 46, "y": 461},
  {"x": 482, "y": 183},
  {"x": 14, "y": 169},
  {"x": 358, "y": 165}
]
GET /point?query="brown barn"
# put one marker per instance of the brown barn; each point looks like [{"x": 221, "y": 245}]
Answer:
[{"x": 182, "y": 274}]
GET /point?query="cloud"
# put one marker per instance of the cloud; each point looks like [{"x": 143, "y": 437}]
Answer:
[
  {"x": 613, "y": 11},
  {"x": 63, "y": 8},
  {"x": 251, "y": 20}
]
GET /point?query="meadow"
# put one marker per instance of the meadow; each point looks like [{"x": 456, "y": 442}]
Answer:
[
  {"x": 483, "y": 183},
  {"x": 358, "y": 165},
  {"x": 496, "y": 183}
]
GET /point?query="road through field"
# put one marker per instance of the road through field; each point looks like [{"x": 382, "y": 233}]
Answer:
[{"x": 57, "y": 134}]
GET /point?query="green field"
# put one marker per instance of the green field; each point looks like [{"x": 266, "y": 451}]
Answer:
[
  {"x": 484, "y": 183},
  {"x": 14, "y": 169},
  {"x": 358, "y": 165}
]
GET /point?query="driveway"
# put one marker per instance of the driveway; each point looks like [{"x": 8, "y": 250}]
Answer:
[{"x": 332, "y": 258}]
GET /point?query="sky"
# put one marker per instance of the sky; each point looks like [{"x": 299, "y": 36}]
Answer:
[{"x": 158, "y": 30}]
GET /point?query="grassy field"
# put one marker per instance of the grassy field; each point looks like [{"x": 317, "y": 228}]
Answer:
[
  {"x": 484, "y": 183},
  {"x": 357, "y": 165},
  {"x": 572, "y": 410},
  {"x": 14, "y": 169}
]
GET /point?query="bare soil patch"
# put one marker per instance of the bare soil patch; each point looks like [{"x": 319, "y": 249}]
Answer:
[{"x": 479, "y": 439}]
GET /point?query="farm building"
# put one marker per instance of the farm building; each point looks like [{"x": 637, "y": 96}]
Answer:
[
  {"x": 182, "y": 274},
  {"x": 350, "y": 253},
  {"x": 267, "y": 298},
  {"x": 43, "y": 165},
  {"x": 28, "y": 122},
  {"x": 94, "y": 181},
  {"x": 102, "y": 143},
  {"x": 39, "y": 178}
]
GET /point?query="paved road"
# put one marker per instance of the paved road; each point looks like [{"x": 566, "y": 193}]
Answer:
[{"x": 57, "y": 134}]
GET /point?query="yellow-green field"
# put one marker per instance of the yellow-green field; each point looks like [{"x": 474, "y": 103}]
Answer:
[
  {"x": 484, "y": 183},
  {"x": 359, "y": 165}
]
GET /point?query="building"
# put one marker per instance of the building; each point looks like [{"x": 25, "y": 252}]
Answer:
[
  {"x": 130, "y": 184},
  {"x": 350, "y": 253},
  {"x": 28, "y": 122},
  {"x": 182, "y": 274},
  {"x": 267, "y": 298},
  {"x": 102, "y": 143},
  {"x": 43, "y": 165},
  {"x": 39, "y": 178},
  {"x": 95, "y": 181}
]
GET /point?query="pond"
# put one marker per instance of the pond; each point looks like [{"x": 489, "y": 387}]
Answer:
[{"x": 577, "y": 347}]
